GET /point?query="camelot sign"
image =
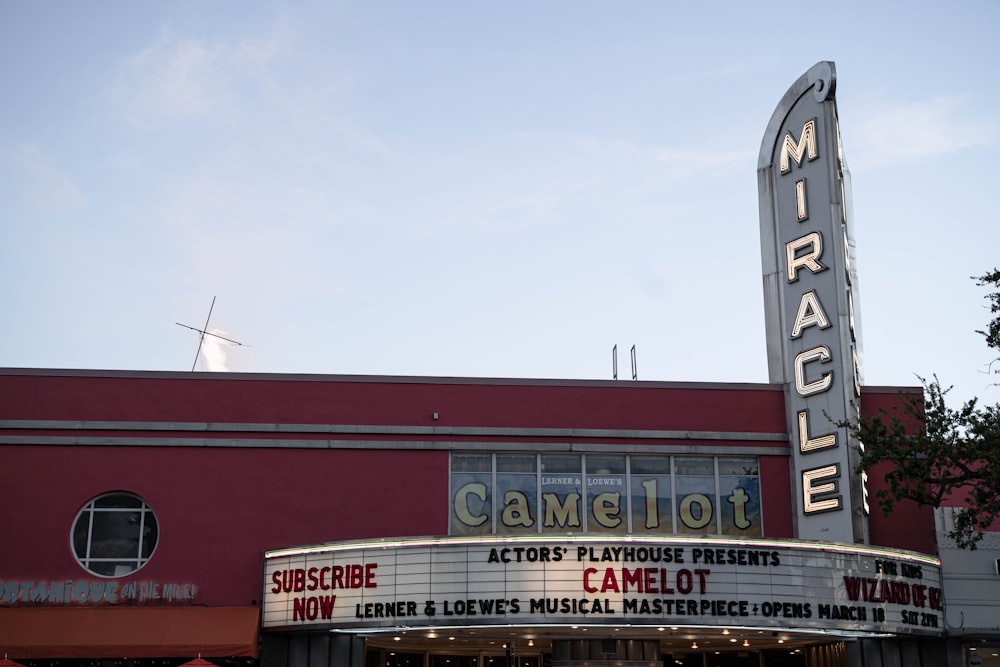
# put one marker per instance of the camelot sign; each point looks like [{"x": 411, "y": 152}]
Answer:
[
  {"x": 382, "y": 586},
  {"x": 813, "y": 338}
]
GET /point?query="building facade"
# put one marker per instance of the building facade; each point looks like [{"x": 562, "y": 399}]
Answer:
[
  {"x": 306, "y": 520},
  {"x": 351, "y": 521}
]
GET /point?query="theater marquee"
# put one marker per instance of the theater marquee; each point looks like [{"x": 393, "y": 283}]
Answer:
[
  {"x": 780, "y": 584},
  {"x": 809, "y": 287}
]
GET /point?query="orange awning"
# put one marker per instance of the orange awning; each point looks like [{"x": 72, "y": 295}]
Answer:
[{"x": 129, "y": 632}]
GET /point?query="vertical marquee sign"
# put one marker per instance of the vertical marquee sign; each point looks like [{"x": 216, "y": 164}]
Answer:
[{"x": 812, "y": 337}]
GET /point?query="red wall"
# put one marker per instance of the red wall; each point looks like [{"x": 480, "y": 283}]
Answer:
[
  {"x": 198, "y": 397},
  {"x": 776, "y": 500},
  {"x": 219, "y": 507},
  {"x": 909, "y": 526}
]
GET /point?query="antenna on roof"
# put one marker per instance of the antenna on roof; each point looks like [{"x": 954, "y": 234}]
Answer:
[
  {"x": 614, "y": 361},
  {"x": 205, "y": 332},
  {"x": 635, "y": 367}
]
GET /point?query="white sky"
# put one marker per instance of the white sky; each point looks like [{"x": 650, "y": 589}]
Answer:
[{"x": 501, "y": 189}]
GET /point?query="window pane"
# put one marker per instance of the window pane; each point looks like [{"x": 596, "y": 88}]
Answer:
[
  {"x": 516, "y": 462},
  {"x": 451, "y": 660},
  {"x": 472, "y": 503},
  {"x": 652, "y": 504},
  {"x": 696, "y": 505},
  {"x": 603, "y": 465},
  {"x": 740, "y": 503},
  {"x": 113, "y": 568},
  {"x": 694, "y": 465},
  {"x": 556, "y": 463},
  {"x": 393, "y": 659},
  {"x": 562, "y": 493},
  {"x": 517, "y": 510},
  {"x": 471, "y": 462},
  {"x": 81, "y": 533},
  {"x": 738, "y": 465},
  {"x": 607, "y": 498},
  {"x": 150, "y": 534},
  {"x": 650, "y": 464},
  {"x": 114, "y": 535},
  {"x": 123, "y": 500},
  {"x": 601, "y": 493},
  {"x": 739, "y": 496}
]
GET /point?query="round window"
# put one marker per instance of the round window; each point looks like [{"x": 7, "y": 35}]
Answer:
[{"x": 114, "y": 534}]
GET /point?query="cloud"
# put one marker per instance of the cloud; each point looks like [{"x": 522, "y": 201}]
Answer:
[
  {"x": 181, "y": 77},
  {"x": 215, "y": 348},
  {"x": 887, "y": 134}
]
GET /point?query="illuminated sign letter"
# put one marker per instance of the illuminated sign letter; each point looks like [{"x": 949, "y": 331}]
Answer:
[
  {"x": 801, "y": 207},
  {"x": 806, "y": 146},
  {"x": 821, "y": 354},
  {"x": 807, "y": 444},
  {"x": 808, "y": 259},
  {"x": 812, "y": 501},
  {"x": 810, "y": 314},
  {"x": 864, "y": 479}
]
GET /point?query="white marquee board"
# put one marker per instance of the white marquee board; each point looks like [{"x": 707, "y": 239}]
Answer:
[{"x": 577, "y": 580}]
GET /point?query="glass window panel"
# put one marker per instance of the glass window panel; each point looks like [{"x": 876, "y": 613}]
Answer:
[
  {"x": 393, "y": 659},
  {"x": 740, "y": 506},
  {"x": 551, "y": 493},
  {"x": 150, "y": 534},
  {"x": 738, "y": 465},
  {"x": 115, "y": 535},
  {"x": 607, "y": 496},
  {"x": 694, "y": 465},
  {"x": 561, "y": 463},
  {"x": 517, "y": 509},
  {"x": 118, "y": 500},
  {"x": 650, "y": 465},
  {"x": 696, "y": 505},
  {"x": 472, "y": 503},
  {"x": 81, "y": 534},
  {"x": 604, "y": 465},
  {"x": 516, "y": 462},
  {"x": 471, "y": 462},
  {"x": 562, "y": 493},
  {"x": 450, "y": 660},
  {"x": 113, "y": 568},
  {"x": 652, "y": 503},
  {"x": 689, "y": 659}
]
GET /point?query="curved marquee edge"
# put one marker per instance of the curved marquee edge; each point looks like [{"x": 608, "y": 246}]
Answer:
[{"x": 822, "y": 78}]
